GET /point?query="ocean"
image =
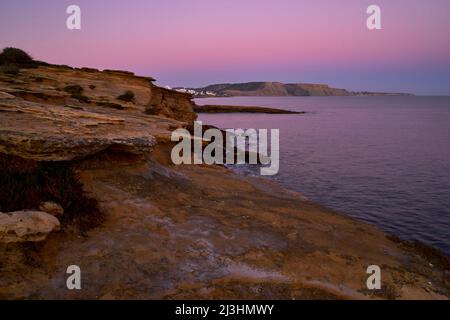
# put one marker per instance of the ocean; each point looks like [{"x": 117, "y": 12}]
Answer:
[{"x": 384, "y": 160}]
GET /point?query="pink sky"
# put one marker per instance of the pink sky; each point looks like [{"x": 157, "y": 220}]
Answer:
[{"x": 198, "y": 42}]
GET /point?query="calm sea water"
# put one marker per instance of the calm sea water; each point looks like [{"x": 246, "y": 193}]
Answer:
[{"x": 384, "y": 160}]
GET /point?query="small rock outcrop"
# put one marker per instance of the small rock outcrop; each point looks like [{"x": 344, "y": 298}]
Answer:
[
  {"x": 26, "y": 226},
  {"x": 172, "y": 104},
  {"x": 52, "y": 208}
]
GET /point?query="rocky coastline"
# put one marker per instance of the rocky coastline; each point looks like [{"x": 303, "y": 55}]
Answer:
[{"x": 87, "y": 180}]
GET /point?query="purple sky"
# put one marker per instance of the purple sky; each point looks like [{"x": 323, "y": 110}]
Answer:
[{"x": 199, "y": 42}]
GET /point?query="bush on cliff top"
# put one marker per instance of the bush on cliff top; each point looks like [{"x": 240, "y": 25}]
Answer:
[
  {"x": 10, "y": 69},
  {"x": 14, "y": 56}
]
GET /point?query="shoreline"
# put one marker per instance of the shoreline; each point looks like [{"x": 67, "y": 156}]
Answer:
[
  {"x": 171, "y": 232},
  {"x": 421, "y": 246}
]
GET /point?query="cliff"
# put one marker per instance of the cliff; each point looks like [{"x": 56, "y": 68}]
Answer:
[
  {"x": 68, "y": 113},
  {"x": 273, "y": 89},
  {"x": 281, "y": 89},
  {"x": 86, "y": 179}
]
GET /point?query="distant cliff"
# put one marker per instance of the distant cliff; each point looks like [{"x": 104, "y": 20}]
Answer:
[{"x": 278, "y": 89}]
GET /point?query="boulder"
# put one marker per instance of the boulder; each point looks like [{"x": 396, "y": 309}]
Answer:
[
  {"x": 52, "y": 208},
  {"x": 26, "y": 226}
]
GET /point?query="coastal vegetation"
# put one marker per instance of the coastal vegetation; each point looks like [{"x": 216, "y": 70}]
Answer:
[
  {"x": 127, "y": 96},
  {"x": 25, "y": 184},
  {"x": 11, "y": 69},
  {"x": 17, "y": 57},
  {"x": 76, "y": 92},
  {"x": 12, "y": 59}
]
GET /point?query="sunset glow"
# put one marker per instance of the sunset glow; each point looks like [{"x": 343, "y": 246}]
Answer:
[{"x": 194, "y": 43}]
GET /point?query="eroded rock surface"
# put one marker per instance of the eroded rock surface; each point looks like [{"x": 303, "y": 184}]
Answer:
[
  {"x": 44, "y": 122},
  {"x": 26, "y": 226}
]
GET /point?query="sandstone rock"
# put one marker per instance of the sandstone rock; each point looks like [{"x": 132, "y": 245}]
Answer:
[
  {"x": 45, "y": 123},
  {"x": 52, "y": 208},
  {"x": 4, "y": 95},
  {"x": 171, "y": 104},
  {"x": 45, "y": 132},
  {"x": 26, "y": 226}
]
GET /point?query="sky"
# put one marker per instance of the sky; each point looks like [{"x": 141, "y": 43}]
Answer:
[{"x": 194, "y": 43}]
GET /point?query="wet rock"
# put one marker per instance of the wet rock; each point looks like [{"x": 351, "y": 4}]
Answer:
[{"x": 26, "y": 226}]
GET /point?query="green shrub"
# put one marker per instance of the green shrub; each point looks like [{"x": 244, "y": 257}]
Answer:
[
  {"x": 76, "y": 92},
  {"x": 80, "y": 97},
  {"x": 11, "y": 69},
  {"x": 16, "y": 56},
  {"x": 74, "y": 89},
  {"x": 127, "y": 96}
]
